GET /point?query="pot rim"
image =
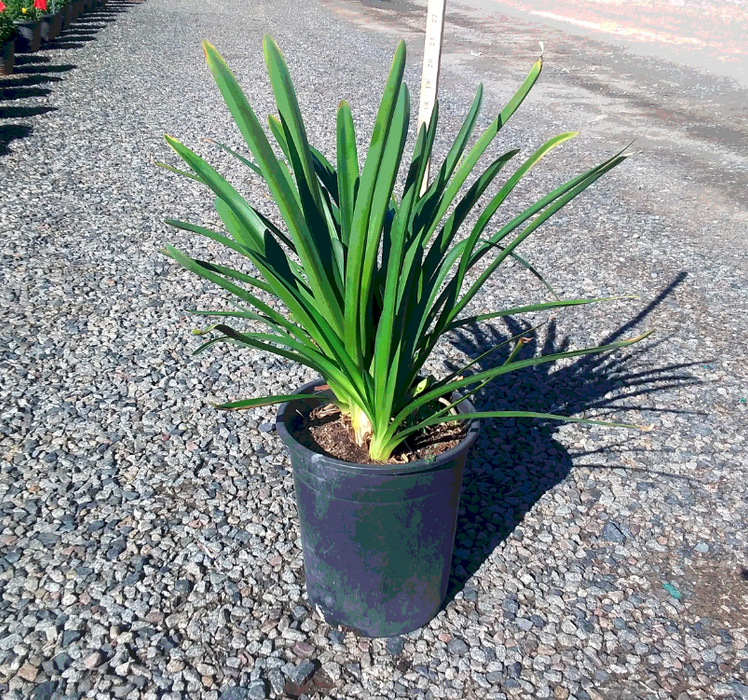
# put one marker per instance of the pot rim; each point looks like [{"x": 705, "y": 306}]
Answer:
[{"x": 420, "y": 465}]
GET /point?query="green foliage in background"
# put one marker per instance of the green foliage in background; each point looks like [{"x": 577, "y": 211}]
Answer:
[
  {"x": 23, "y": 10},
  {"x": 7, "y": 28}
]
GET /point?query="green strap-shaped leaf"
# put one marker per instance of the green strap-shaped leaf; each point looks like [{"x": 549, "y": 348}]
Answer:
[
  {"x": 325, "y": 172},
  {"x": 223, "y": 190},
  {"x": 288, "y": 287},
  {"x": 465, "y": 167},
  {"x": 528, "y": 309},
  {"x": 276, "y": 129},
  {"x": 542, "y": 218},
  {"x": 478, "y": 415},
  {"x": 551, "y": 197},
  {"x": 388, "y": 340},
  {"x": 279, "y": 186},
  {"x": 233, "y": 274},
  {"x": 423, "y": 399},
  {"x": 297, "y": 352},
  {"x": 359, "y": 237},
  {"x": 437, "y": 265},
  {"x": 461, "y": 371},
  {"x": 262, "y": 341},
  {"x": 463, "y": 209},
  {"x": 290, "y": 115},
  {"x": 208, "y": 233},
  {"x": 254, "y": 168},
  {"x": 235, "y": 289},
  {"x": 323, "y": 227},
  {"x": 348, "y": 172},
  {"x": 390, "y": 164},
  {"x": 269, "y": 401},
  {"x": 458, "y": 148},
  {"x": 172, "y": 169},
  {"x": 503, "y": 193}
]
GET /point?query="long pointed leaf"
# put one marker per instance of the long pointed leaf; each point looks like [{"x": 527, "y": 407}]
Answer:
[
  {"x": 282, "y": 194},
  {"x": 348, "y": 172},
  {"x": 504, "y": 369},
  {"x": 359, "y": 238}
]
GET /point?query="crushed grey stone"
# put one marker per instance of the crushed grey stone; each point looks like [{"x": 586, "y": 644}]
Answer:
[{"x": 149, "y": 545}]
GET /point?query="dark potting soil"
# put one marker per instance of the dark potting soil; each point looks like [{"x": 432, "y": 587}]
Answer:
[{"x": 326, "y": 431}]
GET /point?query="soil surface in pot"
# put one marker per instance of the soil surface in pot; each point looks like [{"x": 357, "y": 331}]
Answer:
[{"x": 325, "y": 430}]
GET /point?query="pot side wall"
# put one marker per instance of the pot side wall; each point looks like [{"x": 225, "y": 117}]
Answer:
[{"x": 377, "y": 540}]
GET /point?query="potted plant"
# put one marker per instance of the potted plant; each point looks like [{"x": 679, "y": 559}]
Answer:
[
  {"x": 65, "y": 8},
  {"x": 51, "y": 19},
  {"x": 27, "y": 20},
  {"x": 7, "y": 42},
  {"x": 359, "y": 285}
]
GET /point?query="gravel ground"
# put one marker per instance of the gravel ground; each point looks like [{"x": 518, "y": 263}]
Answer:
[{"x": 148, "y": 544}]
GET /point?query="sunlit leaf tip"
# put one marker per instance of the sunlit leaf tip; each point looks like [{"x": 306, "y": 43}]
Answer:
[
  {"x": 208, "y": 48},
  {"x": 204, "y": 331}
]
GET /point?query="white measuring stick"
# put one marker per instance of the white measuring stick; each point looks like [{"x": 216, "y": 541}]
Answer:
[{"x": 432, "y": 55}]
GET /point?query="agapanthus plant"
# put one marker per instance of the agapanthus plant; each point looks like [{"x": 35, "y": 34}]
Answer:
[{"x": 371, "y": 279}]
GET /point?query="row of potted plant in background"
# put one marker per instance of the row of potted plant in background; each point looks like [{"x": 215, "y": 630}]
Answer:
[{"x": 25, "y": 24}]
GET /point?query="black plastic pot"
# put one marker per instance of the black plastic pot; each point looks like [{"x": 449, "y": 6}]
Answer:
[
  {"x": 51, "y": 26},
  {"x": 28, "y": 36},
  {"x": 377, "y": 540},
  {"x": 88, "y": 5},
  {"x": 66, "y": 13},
  {"x": 7, "y": 57}
]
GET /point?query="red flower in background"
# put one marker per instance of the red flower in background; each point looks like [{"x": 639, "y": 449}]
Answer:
[
  {"x": 40, "y": 5},
  {"x": 2, "y": 5}
]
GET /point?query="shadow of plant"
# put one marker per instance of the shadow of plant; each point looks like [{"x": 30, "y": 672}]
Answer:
[
  {"x": 23, "y": 59},
  {"x": 78, "y": 42},
  {"x": 85, "y": 28},
  {"x": 20, "y": 112},
  {"x": 521, "y": 459},
  {"x": 23, "y": 68},
  {"x": 14, "y": 92},
  {"x": 74, "y": 32},
  {"x": 12, "y": 132},
  {"x": 28, "y": 81}
]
